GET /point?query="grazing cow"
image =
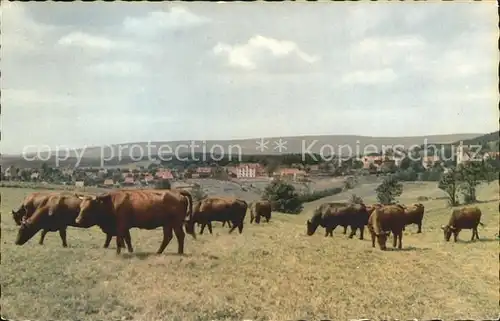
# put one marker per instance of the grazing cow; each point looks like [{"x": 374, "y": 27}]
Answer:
[
  {"x": 383, "y": 221},
  {"x": 53, "y": 213},
  {"x": 414, "y": 215},
  {"x": 331, "y": 215},
  {"x": 260, "y": 209},
  {"x": 218, "y": 209},
  {"x": 28, "y": 206},
  {"x": 122, "y": 210},
  {"x": 463, "y": 218}
]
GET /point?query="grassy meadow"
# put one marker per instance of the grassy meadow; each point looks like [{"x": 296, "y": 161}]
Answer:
[{"x": 270, "y": 272}]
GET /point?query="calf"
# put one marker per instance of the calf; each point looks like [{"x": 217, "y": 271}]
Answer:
[
  {"x": 383, "y": 221},
  {"x": 414, "y": 215},
  {"x": 218, "y": 209},
  {"x": 463, "y": 218},
  {"x": 331, "y": 215},
  {"x": 260, "y": 209}
]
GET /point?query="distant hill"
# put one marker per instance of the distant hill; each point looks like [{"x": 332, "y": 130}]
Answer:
[
  {"x": 481, "y": 140},
  {"x": 131, "y": 152}
]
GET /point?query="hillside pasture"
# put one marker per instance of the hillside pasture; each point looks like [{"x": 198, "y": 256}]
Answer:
[{"x": 270, "y": 272}]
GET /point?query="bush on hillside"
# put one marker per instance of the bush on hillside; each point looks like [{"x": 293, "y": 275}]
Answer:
[
  {"x": 163, "y": 184},
  {"x": 389, "y": 190},
  {"x": 355, "y": 199},
  {"x": 316, "y": 195},
  {"x": 283, "y": 197}
]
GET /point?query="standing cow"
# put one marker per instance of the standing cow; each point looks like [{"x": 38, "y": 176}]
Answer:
[
  {"x": 383, "y": 221},
  {"x": 122, "y": 210},
  {"x": 260, "y": 209},
  {"x": 331, "y": 215},
  {"x": 55, "y": 212},
  {"x": 414, "y": 215},
  {"x": 218, "y": 209},
  {"x": 463, "y": 218}
]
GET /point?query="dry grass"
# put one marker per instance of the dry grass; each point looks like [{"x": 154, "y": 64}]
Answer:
[{"x": 270, "y": 272}]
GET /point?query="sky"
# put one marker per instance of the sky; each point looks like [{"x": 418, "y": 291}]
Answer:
[{"x": 81, "y": 74}]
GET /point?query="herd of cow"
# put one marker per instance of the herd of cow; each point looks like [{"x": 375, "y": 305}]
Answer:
[{"x": 116, "y": 212}]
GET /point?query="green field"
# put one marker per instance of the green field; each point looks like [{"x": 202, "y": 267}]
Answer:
[{"x": 270, "y": 272}]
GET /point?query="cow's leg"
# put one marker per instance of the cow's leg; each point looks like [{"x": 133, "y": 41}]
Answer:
[
  {"x": 229, "y": 224},
  {"x": 251, "y": 218},
  {"x": 361, "y": 232},
  {"x": 455, "y": 236},
  {"x": 400, "y": 240},
  {"x": 240, "y": 227},
  {"x": 329, "y": 231},
  {"x": 121, "y": 233},
  {"x": 128, "y": 241},
  {"x": 268, "y": 218},
  {"x": 477, "y": 234},
  {"x": 373, "y": 238},
  {"x": 419, "y": 224},
  {"x": 353, "y": 231},
  {"x": 210, "y": 227},
  {"x": 167, "y": 237},
  {"x": 395, "y": 238},
  {"x": 108, "y": 240},
  {"x": 257, "y": 219},
  {"x": 42, "y": 237},
  {"x": 345, "y": 229},
  {"x": 202, "y": 228},
  {"x": 236, "y": 224},
  {"x": 180, "y": 235},
  {"x": 62, "y": 234}
]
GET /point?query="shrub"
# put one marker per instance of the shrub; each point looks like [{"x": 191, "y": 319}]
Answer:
[
  {"x": 355, "y": 199},
  {"x": 316, "y": 195},
  {"x": 388, "y": 190},
  {"x": 422, "y": 198},
  {"x": 283, "y": 197}
]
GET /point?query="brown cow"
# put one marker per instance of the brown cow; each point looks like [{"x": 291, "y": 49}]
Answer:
[
  {"x": 463, "y": 218},
  {"x": 414, "y": 215},
  {"x": 331, "y": 215},
  {"x": 260, "y": 209},
  {"x": 218, "y": 209},
  {"x": 53, "y": 213},
  {"x": 383, "y": 221},
  {"x": 122, "y": 210}
]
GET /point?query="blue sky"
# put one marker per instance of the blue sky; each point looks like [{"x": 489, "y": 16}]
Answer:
[{"x": 99, "y": 73}]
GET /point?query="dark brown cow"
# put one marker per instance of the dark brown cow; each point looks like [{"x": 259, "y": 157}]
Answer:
[
  {"x": 218, "y": 209},
  {"x": 260, "y": 209},
  {"x": 463, "y": 218},
  {"x": 122, "y": 210},
  {"x": 331, "y": 215},
  {"x": 414, "y": 215},
  {"x": 383, "y": 221},
  {"x": 53, "y": 213}
]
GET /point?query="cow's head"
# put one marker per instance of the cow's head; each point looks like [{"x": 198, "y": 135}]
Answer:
[
  {"x": 18, "y": 215},
  {"x": 311, "y": 227},
  {"x": 382, "y": 239},
  {"x": 27, "y": 230},
  {"x": 447, "y": 231},
  {"x": 90, "y": 207}
]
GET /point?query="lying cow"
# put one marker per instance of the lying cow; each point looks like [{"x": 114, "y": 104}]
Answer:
[
  {"x": 54, "y": 212},
  {"x": 260, "y": 209},
  {"x": 122, "y": 210},
  {"x": 218, "y": 209},
  {"x": 414, "y": 215},
  {"x": 383, "y": 221},
  {"x": 331, "y": 215},
  {"x": 463, "y": 218}
]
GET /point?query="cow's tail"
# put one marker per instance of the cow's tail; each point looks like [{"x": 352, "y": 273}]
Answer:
[{"x": 189, "y": 210}]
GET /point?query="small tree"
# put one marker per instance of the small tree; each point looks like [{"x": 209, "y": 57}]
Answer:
[
  {"x": 355, "y": 199},
  {"x": 389, "y": 190},
  {"x": 163, "y": 184},
  {"x": 283, "y": 197},
  {"x": 449, "y": 184},
  {"x": 197, "y": 193},
  {"x": 471, "y": 174}
]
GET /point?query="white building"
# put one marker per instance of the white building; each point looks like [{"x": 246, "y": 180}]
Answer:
[{"x": 246, "y": 171}]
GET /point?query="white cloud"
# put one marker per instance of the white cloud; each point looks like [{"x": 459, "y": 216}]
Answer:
[
  {"x": 84, "y": 40},
  {"x": 246, "y": 56},
  {"x": 157, "y": 21},
  {"x": 386, "y": 75},
  {"x": 116, "y": 68}
]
